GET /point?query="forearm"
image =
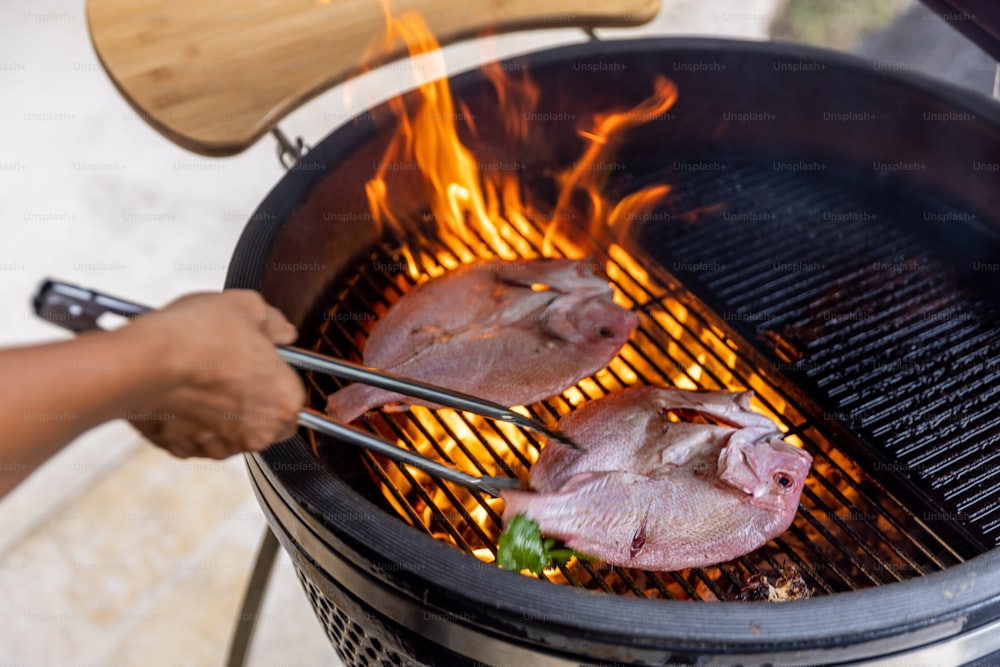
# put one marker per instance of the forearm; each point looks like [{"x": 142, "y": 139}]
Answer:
[
  {"x": 49, "y": 394},
  {"x": 201, "y": 377}
]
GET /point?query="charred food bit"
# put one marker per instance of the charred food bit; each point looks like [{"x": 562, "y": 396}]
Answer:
[{"x": 788, "y": 585}]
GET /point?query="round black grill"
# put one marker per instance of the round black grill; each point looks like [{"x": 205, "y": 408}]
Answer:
[{"x": 896, "y": 576}]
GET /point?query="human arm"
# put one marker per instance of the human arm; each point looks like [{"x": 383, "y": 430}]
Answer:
[{"x": 199, "y": 377}]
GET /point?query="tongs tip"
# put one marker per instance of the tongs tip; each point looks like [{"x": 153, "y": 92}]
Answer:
[
  {"x": 494, "y": 485},
  {"x": 548, "y": 432},
  {"x": 561, "y": 438}
]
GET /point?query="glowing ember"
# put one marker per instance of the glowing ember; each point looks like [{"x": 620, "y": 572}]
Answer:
[{"x": 674, "y": 346}]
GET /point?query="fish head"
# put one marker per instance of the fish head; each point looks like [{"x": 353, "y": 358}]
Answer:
[
  {"x": 589, "y": 318},
  {"x": 769, "y": 470}
]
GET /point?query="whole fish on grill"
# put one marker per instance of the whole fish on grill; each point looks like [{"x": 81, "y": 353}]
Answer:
[
  {"x": 651, "y": 489},
  {"x": 510, "y": 332}
]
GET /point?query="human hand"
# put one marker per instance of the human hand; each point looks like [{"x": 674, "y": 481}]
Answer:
[{"x": 225, "y": 390}]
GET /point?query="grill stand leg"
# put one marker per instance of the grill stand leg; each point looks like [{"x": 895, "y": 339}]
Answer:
[
  {"x": 246, "y": 621},
  {"x": 288, "y": 154}
]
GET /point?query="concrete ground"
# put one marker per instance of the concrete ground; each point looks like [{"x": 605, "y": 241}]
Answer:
[{"x": 115, "y": 553}]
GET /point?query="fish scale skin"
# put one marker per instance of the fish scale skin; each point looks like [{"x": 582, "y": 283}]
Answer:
[
  {"x": 690, "y": 487},
  {"x": 481, "y": 329},
  {"x": 639, "y": 429}
]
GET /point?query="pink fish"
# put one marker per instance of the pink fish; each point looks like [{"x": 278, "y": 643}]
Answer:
[
  {"x": 510, "y": 332},
  {"x": 650, "y": 492}
]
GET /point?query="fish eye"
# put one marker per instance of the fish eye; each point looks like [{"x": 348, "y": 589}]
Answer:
[
  {"x": 783, "y": 480},
  {"x": 605, "y": 332}
]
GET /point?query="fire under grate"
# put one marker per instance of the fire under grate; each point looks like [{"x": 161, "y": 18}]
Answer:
[{"x": 852, "y": 529}]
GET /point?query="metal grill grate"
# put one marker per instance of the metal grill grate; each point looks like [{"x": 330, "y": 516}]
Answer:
[
  {"x": 874, "y": 302},
  {"x": 850, "y": 531}
]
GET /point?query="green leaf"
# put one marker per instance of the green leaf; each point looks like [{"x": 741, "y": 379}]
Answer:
[{"x": 521, "y": 547}]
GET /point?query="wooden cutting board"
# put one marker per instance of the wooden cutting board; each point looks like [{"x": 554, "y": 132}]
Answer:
[{"x": 215, "y": 75}]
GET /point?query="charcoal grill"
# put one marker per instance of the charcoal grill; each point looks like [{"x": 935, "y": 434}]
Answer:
[
  {"x": 848, "y": 294},
  {"x": 827, "y": 242}
]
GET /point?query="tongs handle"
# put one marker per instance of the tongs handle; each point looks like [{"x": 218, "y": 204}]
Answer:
[{"x": 79, "y": 309}]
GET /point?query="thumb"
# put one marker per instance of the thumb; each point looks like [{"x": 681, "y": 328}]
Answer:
[{"x": 277, "y": 328}]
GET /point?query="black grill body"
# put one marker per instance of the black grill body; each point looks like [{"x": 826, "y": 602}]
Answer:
[{"x": 868, "y": 357}]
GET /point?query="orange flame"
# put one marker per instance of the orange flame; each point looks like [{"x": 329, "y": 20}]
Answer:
[
  {"x": 484, "y": 213},
  {"x": 478, "y": 209},
  {"x": 591, "y": 172},
  {"x": 484, "y": 208},
  {"x": 460, "y": 202}
]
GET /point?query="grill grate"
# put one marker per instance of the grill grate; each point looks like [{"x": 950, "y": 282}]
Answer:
[
  {"x": 873, "y": 302},
  {"x": 850, "y": 531}
]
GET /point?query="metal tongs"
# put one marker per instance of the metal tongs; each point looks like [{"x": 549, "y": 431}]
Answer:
[{"x": 79, "y": 309}]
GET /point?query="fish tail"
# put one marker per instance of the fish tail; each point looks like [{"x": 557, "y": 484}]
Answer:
[{"x": 351, "y": 402}]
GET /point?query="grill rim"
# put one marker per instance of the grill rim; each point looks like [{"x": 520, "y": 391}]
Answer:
[
  {"x": 969, "y": 592},
  {"x": 959, "y": 599}
]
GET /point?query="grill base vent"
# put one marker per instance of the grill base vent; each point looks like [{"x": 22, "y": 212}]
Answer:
[{"x": 376, "y": 643}]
